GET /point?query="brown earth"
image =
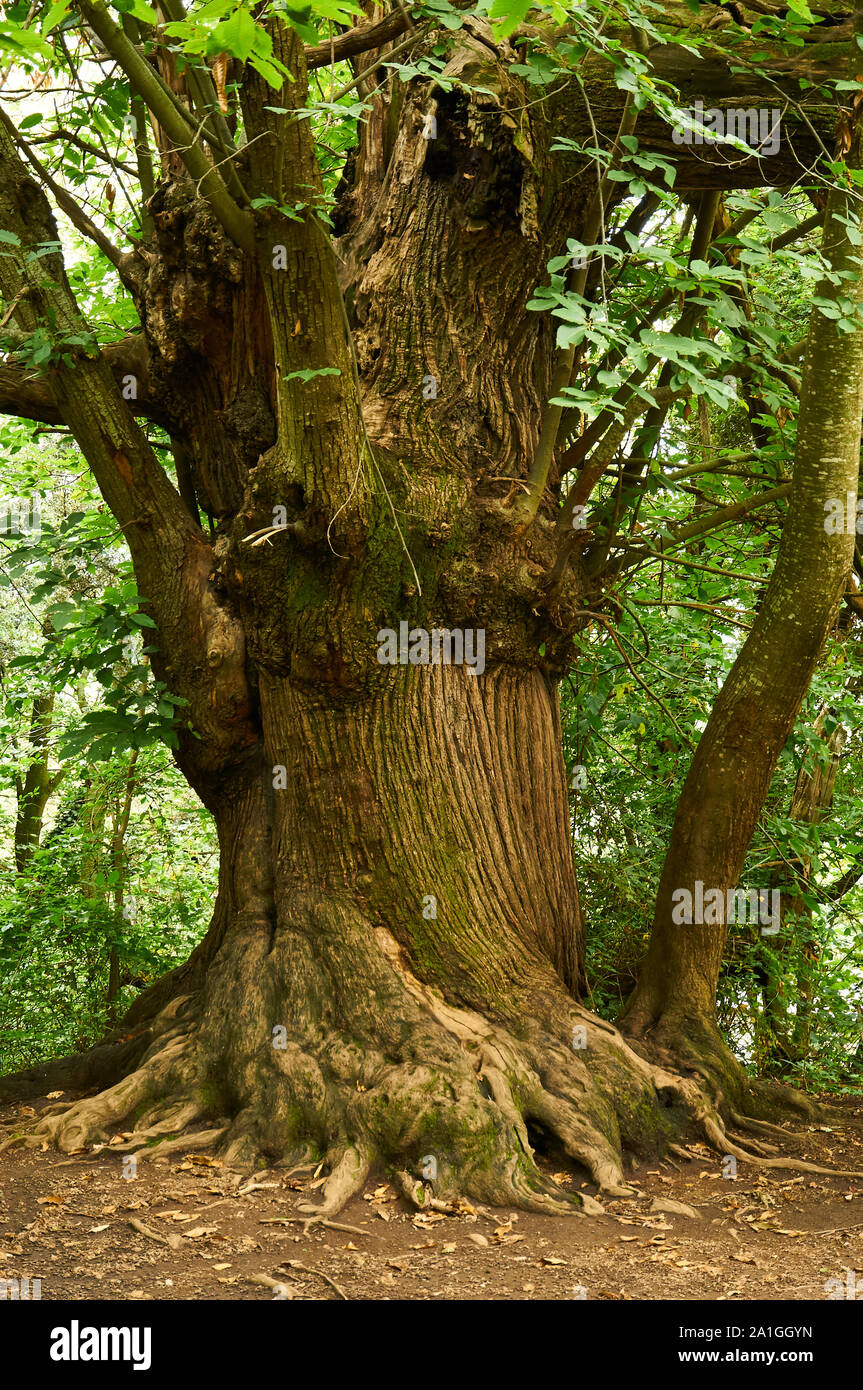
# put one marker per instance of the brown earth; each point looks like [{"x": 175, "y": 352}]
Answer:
[{"x": 207, "y": 1233}]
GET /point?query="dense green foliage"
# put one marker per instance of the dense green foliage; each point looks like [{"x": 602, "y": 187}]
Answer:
[{"x": 70, "y": 628}]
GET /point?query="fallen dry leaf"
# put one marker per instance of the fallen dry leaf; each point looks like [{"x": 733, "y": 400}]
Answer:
[{"x": 463, "y": 1205}]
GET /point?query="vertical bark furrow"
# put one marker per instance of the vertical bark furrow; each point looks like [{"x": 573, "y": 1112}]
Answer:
[{"x": 461, "y": 874}]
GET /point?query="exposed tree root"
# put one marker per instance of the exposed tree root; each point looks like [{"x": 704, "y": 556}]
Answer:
[
  {"x": 710, "y": 1121},
  {"x": 189, "y": 1143},
  {"x": 450, "y": 1101},
  {"x": 161, "y": 1238},
  {"x": 347, "y": 1178},
  {"x": 309, "y": 1222},
  {"x": 681, "y": 1152},
  {"x": 99, "y": 1066},
  {"x": 756, "y": 1126},
  {"x": 715, "y": 1132}
]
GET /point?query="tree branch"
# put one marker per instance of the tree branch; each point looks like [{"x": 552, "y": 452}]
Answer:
[
  {"x": 237, "y": 223},
  {"x": 356, "y": 41},
  {"x": 28, "y": 395},
  {"x": 529, "y": 502},
  {"x": 202, "y": 91}
]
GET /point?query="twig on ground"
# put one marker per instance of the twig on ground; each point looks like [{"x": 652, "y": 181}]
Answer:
[
  {"x": 172, "y": 1241},
  {"x": 284, "y": 1289},
  {"x": 307, "y": 1269},
  {"x": 307, "y": 1221}
]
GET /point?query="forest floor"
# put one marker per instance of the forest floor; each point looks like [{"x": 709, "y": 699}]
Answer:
[{"x": 202, "y": 1232}]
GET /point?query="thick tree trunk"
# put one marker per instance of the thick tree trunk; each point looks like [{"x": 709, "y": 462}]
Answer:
[
  {"x": 446, "y": 786},
  {"x": 385, "y": 977}
]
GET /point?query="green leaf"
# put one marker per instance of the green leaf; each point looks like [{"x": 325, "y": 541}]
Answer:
[
  {"x": 235, "y": 35},
  {"x": 307, "y": 373},
  {"x": 511, "y": 13}
]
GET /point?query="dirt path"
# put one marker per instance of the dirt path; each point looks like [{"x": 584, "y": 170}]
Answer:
[{"x": 205, "y": 1233}]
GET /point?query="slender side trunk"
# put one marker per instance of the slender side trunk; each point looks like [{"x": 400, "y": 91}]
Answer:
[{"x": 755, "y": 711}]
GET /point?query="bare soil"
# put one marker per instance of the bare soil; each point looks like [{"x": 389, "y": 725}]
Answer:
[{"x": 203, "y": 1232}]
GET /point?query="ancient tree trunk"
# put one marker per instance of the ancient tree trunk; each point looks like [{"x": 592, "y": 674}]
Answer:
[{"x": 391, "y": 970}]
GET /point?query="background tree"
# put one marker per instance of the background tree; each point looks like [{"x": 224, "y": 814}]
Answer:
[{"x": 757, "y": 706}]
